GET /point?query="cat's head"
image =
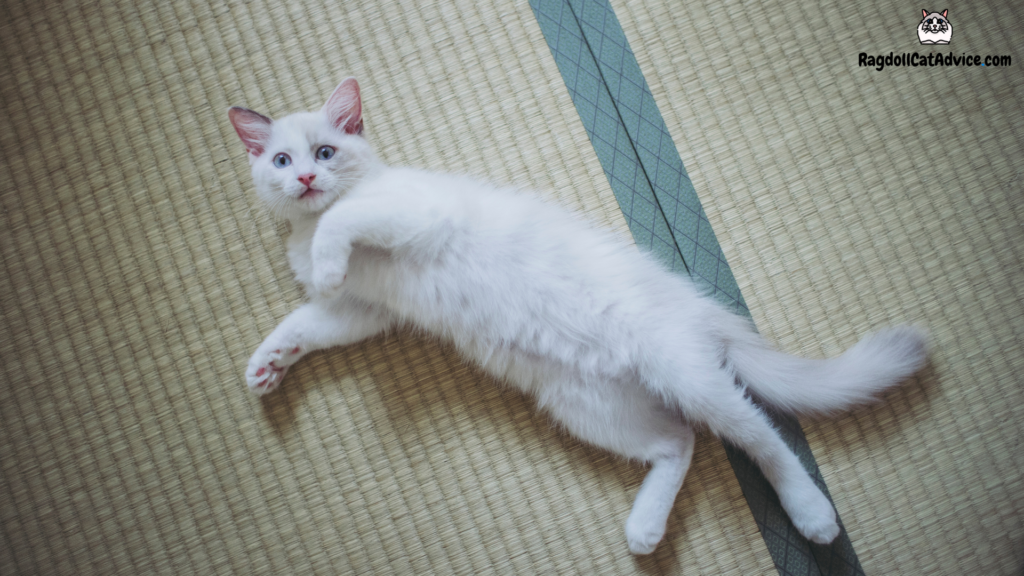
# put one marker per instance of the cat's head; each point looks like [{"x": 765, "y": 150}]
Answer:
[
  {"x": 303, "y": 162},
  {"x": 934, "y": 22}
]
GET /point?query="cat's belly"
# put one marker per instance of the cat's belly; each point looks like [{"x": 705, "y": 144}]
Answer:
[{"x": 519, "y": 332}]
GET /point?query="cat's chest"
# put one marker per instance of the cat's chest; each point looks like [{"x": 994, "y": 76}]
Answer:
[{"x": 300, "y": 255}]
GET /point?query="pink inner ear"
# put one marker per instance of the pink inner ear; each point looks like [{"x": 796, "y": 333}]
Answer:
[
  {"x": 944, "y": 12},
  {"x": 924, "y": 13},
  {"x": 344, "y": 107},
  {"x": 252, "y": 127}
]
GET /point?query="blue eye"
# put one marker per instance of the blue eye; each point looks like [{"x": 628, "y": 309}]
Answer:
[
  {"x": 325, "y": 153},
  {"x": 282, "y": 160}
]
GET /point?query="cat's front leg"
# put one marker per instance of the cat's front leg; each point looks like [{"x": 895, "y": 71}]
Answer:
[
  {"x": 387, "y": 222},
  {"x": 332, "y": 243},
  {"x": 330, "y": 264},
  {"x": 311, "y": 327}
]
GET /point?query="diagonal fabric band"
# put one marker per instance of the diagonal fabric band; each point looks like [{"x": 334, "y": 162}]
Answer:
[{"x": 665, "y": 216}]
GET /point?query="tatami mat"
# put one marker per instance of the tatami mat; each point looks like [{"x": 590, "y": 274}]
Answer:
[{"x": 138, "y": 276}]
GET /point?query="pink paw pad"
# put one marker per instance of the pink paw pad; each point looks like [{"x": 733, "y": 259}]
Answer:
[{"x": 261, "y": 372}]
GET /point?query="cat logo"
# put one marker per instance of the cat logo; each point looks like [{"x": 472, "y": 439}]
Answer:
[{"x": 934, "y": 28}]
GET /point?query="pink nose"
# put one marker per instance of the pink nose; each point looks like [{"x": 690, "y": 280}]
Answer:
[{"x": 307, "y": 179}]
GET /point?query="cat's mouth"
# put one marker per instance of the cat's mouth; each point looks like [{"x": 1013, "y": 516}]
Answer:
[{"x": 310, "y": 193}]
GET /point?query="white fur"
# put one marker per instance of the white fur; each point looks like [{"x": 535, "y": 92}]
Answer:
[{"x": 622, "y": 353}]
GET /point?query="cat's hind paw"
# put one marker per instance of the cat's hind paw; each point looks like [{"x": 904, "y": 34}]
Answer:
[
  {"x": 820, "y": 532},
  {"x": 642, "y": 535},
  {"x": 816, "y": 520},
  {"x": 266, "y": 370}
]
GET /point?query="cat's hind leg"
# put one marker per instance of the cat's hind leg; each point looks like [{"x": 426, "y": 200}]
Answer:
[
  {"x": 707, "y": 393},
  {"x": 313, "y": 326},
  {"x": 645, "y": 526},
  {"x": 621, "y": 416}
]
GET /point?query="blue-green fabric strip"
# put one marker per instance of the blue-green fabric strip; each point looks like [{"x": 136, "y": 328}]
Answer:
[{"x": 665, "y": 216}]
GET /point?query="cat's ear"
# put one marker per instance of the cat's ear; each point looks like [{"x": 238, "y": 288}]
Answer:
[
  {"x": 344, "y": 108},
  {"x": 252, "y": 127},
  {"x": 944, "y": 12}
]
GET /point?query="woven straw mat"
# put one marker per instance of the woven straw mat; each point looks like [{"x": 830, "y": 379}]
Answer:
[{"x": 139, "y": 274}]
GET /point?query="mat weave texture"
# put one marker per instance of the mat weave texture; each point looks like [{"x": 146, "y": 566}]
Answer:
[{"x": 138, "y": 276}]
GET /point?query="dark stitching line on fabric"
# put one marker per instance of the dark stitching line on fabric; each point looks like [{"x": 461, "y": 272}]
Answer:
[{"x": 632, "y": 144}]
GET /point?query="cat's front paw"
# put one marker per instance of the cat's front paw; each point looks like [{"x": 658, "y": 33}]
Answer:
[
  {"x": 267, "y": 368},
  {"x": 330, "y": 264},
  {"x": 328, "y": 278}
]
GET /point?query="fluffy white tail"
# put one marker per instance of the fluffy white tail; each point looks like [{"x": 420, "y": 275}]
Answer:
[{"x": 803, "y": 386}]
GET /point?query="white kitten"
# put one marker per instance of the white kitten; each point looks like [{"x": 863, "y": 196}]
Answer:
[{"x": 621, "y": 352}]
